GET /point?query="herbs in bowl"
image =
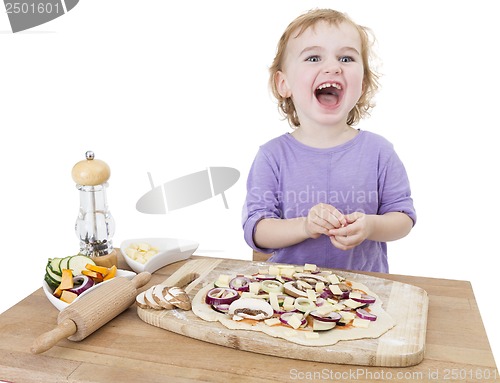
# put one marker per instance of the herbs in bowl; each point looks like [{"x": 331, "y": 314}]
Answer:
[{"x": 68, "y": 278}]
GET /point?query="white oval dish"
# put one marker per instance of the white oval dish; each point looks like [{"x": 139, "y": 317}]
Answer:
[
  {"x": 61, "y": 305},
  {"x": 170, "y": 250}
]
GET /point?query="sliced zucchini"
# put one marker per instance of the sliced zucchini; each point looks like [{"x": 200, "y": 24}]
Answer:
[{"x": 77, "y": 263}]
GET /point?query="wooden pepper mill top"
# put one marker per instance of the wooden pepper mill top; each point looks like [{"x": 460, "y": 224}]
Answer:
[{"x": 90, "y": 172}]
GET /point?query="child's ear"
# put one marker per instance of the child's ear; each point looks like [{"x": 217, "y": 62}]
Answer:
[{"x": 282, "y": 84}]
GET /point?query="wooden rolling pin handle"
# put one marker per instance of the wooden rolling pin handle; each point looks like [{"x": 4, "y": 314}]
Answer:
[
  {"x": 141, "y": 279},
  {"x": 49, "y": 339}
]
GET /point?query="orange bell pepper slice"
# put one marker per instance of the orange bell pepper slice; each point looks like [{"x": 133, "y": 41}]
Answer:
[{"x": 111, "y": 273}]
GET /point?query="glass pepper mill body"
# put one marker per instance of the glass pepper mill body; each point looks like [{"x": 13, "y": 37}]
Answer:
[{"x": 94, "y": 225}]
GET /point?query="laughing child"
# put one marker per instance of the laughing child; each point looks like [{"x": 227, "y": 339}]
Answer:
[{"x": 327, "y": 193}]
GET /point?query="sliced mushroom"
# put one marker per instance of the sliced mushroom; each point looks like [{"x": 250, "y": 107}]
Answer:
[
  {"x": 303, "y": 285},
  {"x": 345, "y": 288},
  {"x": 177, "y": 297},
  {"x": 251, "y": 308},
  {"x": 140, "y": 302},
  {"x": 149, "y": 299},
  {"x": 159, "y": 297},
  {"x": 292, "y": 290},
  {"x": 310, "y": 278}
]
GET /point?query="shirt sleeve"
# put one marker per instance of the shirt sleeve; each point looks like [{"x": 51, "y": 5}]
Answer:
[
  {"x": 394, "y": 189},
  {"x": 262, "y": 197}
]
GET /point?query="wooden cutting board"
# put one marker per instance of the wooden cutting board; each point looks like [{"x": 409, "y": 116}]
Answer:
[{"x": 401, "y": 346}]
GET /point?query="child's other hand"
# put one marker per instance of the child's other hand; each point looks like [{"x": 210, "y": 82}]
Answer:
[
  {"x": 352, "y": 234},
  {"x": 322, "y": 218}
]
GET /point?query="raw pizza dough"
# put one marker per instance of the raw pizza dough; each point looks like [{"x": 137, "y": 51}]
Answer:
[{"x": 377, "y": 328}]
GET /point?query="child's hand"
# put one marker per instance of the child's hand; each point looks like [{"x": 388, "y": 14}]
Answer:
[
  {"x": 322, "y": 218},
  {"x": 352, "y": 234}
]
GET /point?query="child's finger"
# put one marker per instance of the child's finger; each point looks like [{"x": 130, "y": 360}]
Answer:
[
  {"x": 345, "y": 242},
  {"x": 334, "y": 217},
  {"x": 340, "y": 232},
  {"x": 353, "y": 217},
  {"x": 341, "y": 243},
  {"x": 319, "y": 224}
]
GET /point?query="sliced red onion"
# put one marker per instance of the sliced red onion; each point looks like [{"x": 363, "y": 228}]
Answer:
[
  {"x": 332, "y": 317},
  {"x": 345, "y": 295},
  {"x": 222, "y": 308},
  {"x": 84, "y": 283},
  {"x": 283, "y": 311},
  {"x": 265, "y": 277},
  {"x": 326, "y": 294},
  {"x": 221, "y": 295},
  {"x": 284, "y": 318},
  {"x": 364, "y": 299},
  {"x": 320, "y": 301},
  {"x": 240, "y": 283},
  {"x": 317, "y": 271},
  {"x": 363, "y": 314},
  {"x": 346, "y": 290}
]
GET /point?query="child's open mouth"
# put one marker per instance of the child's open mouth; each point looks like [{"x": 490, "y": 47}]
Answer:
[{"x": 329, "y": 94}]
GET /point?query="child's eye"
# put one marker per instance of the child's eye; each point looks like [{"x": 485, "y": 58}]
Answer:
[
  {"x": 313, "y": 59},
  {"x": 346, "y": 59}
]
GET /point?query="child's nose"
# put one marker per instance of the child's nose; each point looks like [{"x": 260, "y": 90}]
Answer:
[{"x": 332, "y": 67}]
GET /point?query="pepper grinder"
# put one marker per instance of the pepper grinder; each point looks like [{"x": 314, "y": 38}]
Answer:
[{"x": 94, "y": 225}]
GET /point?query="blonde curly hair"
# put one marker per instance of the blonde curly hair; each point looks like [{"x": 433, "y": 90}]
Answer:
[{"x": 370, "y": 77}]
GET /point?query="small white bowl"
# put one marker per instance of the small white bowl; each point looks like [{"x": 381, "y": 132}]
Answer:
[
  {"x": 170, "y": 250},
  {"x": 61, "y": 305}
]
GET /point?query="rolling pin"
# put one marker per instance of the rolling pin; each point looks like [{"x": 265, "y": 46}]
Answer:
[{"x": 92, "y": 311}]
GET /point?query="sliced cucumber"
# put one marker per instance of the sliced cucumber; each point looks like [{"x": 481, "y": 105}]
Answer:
[
  {"x": 64, "y": 263},
  {"x": 50, "y": 273},
  {"x": 77, "y": 263},
  {"x": 54, "y": 264},
  {"x": 52, "y": 283}
]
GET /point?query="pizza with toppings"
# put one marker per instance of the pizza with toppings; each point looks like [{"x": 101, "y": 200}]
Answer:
[{"x": 304, "y": 305}]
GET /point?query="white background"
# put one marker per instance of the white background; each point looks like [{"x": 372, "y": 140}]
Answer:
[{"x": 173, "y": 87}]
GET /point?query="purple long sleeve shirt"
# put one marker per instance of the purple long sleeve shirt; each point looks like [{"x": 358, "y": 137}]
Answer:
[{"x": 287, "y": 178}]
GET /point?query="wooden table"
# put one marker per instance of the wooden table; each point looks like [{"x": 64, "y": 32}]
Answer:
[{"x": 129, "y": 350}]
